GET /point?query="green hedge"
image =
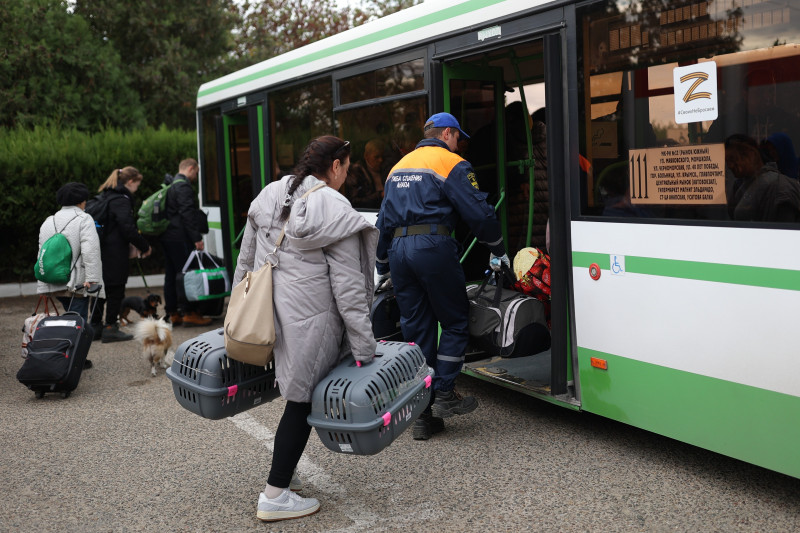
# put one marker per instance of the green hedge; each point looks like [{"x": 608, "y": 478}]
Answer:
[{"x": 34, "y": 164}]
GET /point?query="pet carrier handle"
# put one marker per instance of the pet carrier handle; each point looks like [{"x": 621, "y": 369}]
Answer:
[
  {"x": 379, "y": 353},
  {"x": 399, "y": 403}
]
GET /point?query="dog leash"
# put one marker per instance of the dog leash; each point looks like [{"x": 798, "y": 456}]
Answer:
[{"x": 139, "y": 264}]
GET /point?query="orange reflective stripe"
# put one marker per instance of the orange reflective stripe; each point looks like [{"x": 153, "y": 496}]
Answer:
[{"x": 439, "y": 160}]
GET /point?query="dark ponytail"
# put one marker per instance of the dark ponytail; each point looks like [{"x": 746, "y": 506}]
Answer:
[{"x": 316, "y": 161}]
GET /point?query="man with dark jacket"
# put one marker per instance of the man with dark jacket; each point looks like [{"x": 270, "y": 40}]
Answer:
[
  {"x": 427, "y": 193},
  {"x": 181, "y": 237}
]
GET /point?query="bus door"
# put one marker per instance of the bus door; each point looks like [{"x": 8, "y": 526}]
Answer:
[
  {"x": 474, "y": 95},
  {"x": 243, "y": 174},
  {"x": 499, "y": 97}
]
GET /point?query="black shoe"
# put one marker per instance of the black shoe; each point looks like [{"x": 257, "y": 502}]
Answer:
[
  {"x": 452, "y": 403},
  {"x": 427, "y": 425},
  {"x": 113, "y": 334},
  {"x": 97, "y": 329},
  {"x": 87, "y": 364}
]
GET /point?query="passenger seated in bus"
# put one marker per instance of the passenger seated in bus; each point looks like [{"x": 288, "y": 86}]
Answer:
[
  {"x": 780, "y": 149},
  {"x": 615, "y": 193},
  {"x": 364, "y": 184},
  {"x": 760, "y": 192}
]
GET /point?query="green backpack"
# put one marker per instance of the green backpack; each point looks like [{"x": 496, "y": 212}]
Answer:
[
  {"x": 54, "y": 262},
  {"x": 152, "y": 218}
]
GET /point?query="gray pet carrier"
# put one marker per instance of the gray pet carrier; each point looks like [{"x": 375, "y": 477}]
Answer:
[
  {"x": 361, "y": 410},
  {"x": 210, "y": 384}
]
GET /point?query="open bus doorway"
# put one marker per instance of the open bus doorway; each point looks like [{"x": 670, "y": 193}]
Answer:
[
  {"x": 243, "y": 175},
  {"x": 498, "y": 97}
]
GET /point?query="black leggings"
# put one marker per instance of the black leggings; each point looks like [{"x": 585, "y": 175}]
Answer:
[{"x": 290, "y": 441}]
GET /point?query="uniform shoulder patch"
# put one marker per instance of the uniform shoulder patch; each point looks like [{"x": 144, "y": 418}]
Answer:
[{"x": 472, "y": 180}]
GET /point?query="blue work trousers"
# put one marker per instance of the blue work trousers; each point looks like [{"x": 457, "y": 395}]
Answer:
[{"x": 430, "y": 290}]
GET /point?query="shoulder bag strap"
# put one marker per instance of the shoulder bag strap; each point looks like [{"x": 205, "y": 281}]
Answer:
[{"x": 283, "y": 229}]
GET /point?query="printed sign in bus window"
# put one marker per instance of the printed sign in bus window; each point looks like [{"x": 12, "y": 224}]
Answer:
[
  {"x": 678, "y": 175},
  {"x": 695, "y": 89}
]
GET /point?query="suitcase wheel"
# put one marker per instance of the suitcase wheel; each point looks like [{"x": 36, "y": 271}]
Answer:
[
  {"x": 66, "y": 394},
  {"x": 39, "y": 394}
]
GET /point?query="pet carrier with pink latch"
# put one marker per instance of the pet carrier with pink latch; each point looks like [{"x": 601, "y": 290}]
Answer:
[
  {"x": 361, "y": 409},
  {"x": 210, "y": 384}
]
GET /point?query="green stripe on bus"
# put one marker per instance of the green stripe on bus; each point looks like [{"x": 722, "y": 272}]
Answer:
[
  {"x": 215, "y": 225},
  {"x": 748, "y": 423},
  {"x": 774, "y": 278},
  {"x": 411, "y": 25}
]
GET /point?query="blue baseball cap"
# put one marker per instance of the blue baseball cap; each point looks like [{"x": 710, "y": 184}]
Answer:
[{"x": 444, "y": 120}]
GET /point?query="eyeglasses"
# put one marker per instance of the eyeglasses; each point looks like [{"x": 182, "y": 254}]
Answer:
[{"x": 341, "y": 149}]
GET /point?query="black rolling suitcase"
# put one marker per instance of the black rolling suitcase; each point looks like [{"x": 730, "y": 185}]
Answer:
[{"x": 57, "y": 353}]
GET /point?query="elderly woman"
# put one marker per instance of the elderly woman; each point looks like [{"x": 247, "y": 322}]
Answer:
[
  {"x": 79, "y": 229},
  {"x": 322, "y": 291}
]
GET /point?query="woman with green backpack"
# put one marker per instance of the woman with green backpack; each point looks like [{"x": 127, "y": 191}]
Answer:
[{"x": 69, "y": 258}]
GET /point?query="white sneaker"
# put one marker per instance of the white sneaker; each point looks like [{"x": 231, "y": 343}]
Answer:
[
  {"x": 296, "y": 484},
  {"x": 287, "y": 505}
]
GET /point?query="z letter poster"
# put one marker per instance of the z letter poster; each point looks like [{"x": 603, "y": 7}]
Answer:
[{"x": 695, "y": 89}]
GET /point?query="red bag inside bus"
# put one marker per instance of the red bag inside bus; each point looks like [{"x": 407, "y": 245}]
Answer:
[{"x": 532, "y": 269}]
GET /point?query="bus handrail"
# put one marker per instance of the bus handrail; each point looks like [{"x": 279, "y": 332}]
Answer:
[
  {"x": 238, "y": 238},
  {"x": 475, "y": 239}
]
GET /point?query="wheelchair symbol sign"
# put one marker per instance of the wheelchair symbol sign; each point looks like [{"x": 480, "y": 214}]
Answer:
[{"x": 617, "y": 265}]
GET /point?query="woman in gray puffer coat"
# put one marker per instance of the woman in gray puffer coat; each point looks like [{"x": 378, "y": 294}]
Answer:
[{"x": 322, "y": 292}]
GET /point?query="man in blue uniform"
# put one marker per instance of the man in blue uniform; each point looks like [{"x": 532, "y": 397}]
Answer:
[{"x": 425, "y": 196}]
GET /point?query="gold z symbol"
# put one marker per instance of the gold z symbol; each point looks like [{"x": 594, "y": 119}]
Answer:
[{"x": 690, "y": 94}]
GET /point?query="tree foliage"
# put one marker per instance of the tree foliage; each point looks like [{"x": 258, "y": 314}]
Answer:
[
  {"x": 53, "y": 71},
  {"x": 167, "y": 48},
  {"x": 91, "y": 64},
  {"x": 273, "y": 27}
]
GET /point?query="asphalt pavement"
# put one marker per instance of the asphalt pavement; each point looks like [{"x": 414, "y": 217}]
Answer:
[{"x": 120, "y": 454}]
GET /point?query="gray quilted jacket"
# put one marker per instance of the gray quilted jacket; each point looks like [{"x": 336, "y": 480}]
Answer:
[
  {"x": 82, "y": 236},
  {"x": 323, "y": 285}
]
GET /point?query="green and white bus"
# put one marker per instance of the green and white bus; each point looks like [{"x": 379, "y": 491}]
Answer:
[{"x": 674, "y": 308}]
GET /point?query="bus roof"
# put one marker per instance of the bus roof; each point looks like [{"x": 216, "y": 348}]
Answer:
[{"x": 414, "y": 25}]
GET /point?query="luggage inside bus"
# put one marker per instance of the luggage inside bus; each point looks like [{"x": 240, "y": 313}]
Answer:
[{"x": 499, "y": 97}]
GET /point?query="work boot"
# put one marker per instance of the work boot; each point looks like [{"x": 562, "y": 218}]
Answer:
[
  {"x": 113, "y": 334},
  {"x": 452, "y": 403},
  {"x": 175, "y": 319},
  {"x": 427, "y": 425},
  {"x": 193, "y": 319}
]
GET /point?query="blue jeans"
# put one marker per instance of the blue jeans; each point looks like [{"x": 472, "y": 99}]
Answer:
[{"x": 79, "y": 304}]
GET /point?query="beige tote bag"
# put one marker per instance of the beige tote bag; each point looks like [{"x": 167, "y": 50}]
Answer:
[{"x": 249, "y": 328}]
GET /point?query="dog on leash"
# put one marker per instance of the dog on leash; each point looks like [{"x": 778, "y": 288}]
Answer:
[
  {"x": 156, "y": 338},
  {"x": 144, "y": 307}
]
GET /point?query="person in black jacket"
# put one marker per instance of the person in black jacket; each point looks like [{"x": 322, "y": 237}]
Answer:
[
  {"x": 119, "y": 232},
  {"x": 182, "y": 236}
]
